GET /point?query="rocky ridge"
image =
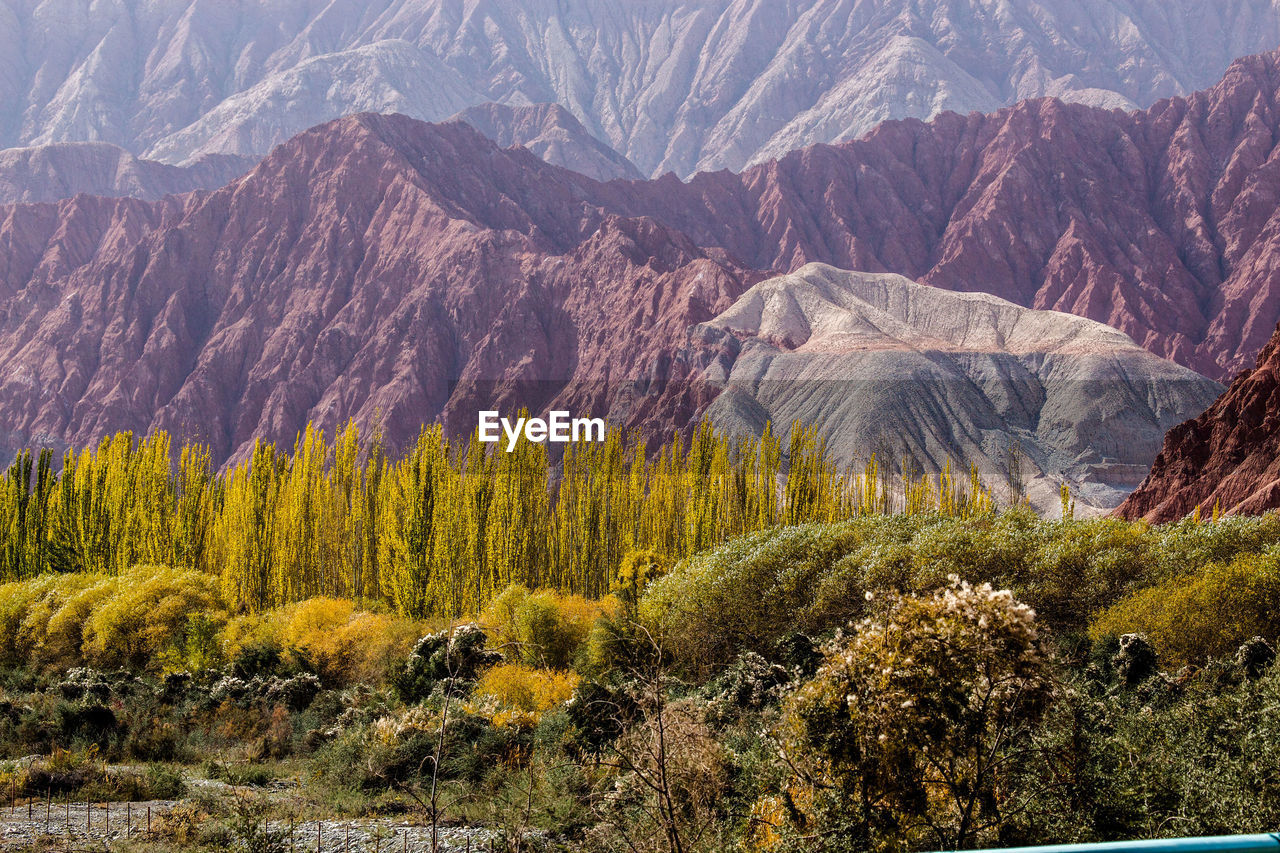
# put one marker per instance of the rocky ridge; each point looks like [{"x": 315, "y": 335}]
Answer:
[{"x": 673, "y": 86}]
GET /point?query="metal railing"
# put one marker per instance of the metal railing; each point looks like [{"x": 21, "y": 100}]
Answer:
[{"x": 1261, "y": 843}]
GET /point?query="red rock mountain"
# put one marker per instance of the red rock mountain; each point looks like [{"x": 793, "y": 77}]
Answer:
[
  {"x": 373, "y": 265},
  {"x": 1161, "y": 223},
  {"x": 382, "y": 265},
  {"x": 1229, "y": 457}
]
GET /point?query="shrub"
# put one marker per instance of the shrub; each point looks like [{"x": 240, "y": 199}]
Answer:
[
  {"x": 252, "y": 827},
  {"x": 257, "y": 659},
  {"x": 26, "y": 608},
  {"x": 1203, "y": 614},
  {"x": 148, "y": 613},
  {"x": 597, "y": 715},
  {"x": 401, "y": 746},
  {"x": 672, "y": 776},
  {"x": 544, "y": 629},
  {"x": 747, "y": 593},
  {"x": 253, "y": 633},
  {"x": 515, "y": 686},
  {"x": 954, "y": 680},
  {"x": 342, "y": 644},
  {"x": 750, "y": 683},
  {"x": 451, "y": 660}
]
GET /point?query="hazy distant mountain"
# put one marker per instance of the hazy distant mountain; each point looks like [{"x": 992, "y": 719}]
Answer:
[
  {"x": 65, "y": 169},
  {"x": 671, "y": 84},
  {"x": 551, "y": 132},
  {"x": 880, "y": 364}
]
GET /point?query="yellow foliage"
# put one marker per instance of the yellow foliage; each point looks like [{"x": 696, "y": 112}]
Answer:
[
  {"x": 499, "y": 618},
  {"x": 64, "y": 633},
  {"x": 309, "y": 624},
  {"x": 250, "y": 629},
  {"x": 515, "y": 687},
  {"x": 147, "y": 613},
  {"x": 544, "y": 628},
  {"x": 439, "y": 531},
  {"x": 1207, "y": 613},
  {"x": 66, "y": 620},
  {"x": 26, "y": 608},
  {"x": 769, "y": 815},
  {"x": 344, "y": 644}
]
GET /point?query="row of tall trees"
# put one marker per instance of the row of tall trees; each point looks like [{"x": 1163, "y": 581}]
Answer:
[{"x": 439, "y": 530}]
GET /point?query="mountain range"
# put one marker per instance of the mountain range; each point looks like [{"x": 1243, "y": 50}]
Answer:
[
  {"x": 671, "y": 85},
  {"x": 386, "y": 269}
]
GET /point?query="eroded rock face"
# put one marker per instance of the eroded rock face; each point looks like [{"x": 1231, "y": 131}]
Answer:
[
  {"x": 672, "y": 85},
  {"x": 375, "y": 267},
  {"x": 1161, "y": 223},
  {"x": 1228, "y": 457},
  {"x": 922, "y": 376}
]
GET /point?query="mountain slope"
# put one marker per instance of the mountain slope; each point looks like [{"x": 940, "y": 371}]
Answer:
[
  {"x": 672, "y": 85},
  {"x": 390, "y": 76},
  {"x": 1162, "y": 223},
  {"x": 1228, "y": 457},
  {"x": 551, "y": 132},
  {"x": 62, "y": 170},
  {"x": 375, "y": 265},
  {"x": 880, "y": 364}
]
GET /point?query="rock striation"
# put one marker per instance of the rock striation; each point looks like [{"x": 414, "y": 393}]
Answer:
[{"x": 920, "y": 376}]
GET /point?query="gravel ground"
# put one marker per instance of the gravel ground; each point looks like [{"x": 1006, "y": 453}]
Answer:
[{"x": 81, "y": 825}]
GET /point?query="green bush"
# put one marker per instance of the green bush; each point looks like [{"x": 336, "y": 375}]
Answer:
[
  {"x": 747, "y": 593},
  {"x": 1207, "y": 613}
]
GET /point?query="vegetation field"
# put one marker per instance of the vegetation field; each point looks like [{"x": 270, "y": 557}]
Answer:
[{"x": 712, "y": 646}]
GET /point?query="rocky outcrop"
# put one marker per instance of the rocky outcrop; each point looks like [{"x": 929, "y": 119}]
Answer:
[
  {"x": 673, "y": 86},
  {"x": 1226, "y": 459},
  {"x": 922, "y": 376},
  {"x": 551, "y": 132},
  {"x": 62, "y": 170}
]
